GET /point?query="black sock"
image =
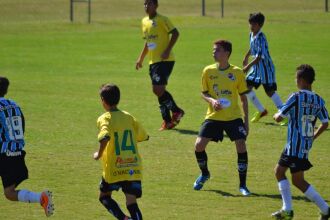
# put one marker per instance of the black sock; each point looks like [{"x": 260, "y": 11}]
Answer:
[
  {"x": 165, "y": 112},
  {"x": 242, "y": 163},
  {"x": 112, "y": 206},
  {"x": 202, "y": 162},
  {"x": 168, "y": 100},
  {"x": 134, "y": 211}
]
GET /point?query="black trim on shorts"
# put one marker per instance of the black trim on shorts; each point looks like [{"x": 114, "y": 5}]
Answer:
[
  {"x": 235, "y": 129},
  {"x": 129, "y": 187},
  {"x": 294, "y": 163},
  {"x": 13, "y": 170},
  {"x": 267, "y": 87},
  {"x": 160, "y": 72}
]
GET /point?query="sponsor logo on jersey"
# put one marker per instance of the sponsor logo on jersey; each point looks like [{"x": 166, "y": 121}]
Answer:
[
  {"x": 231, "y": 76},
  {"x": 125, "y": 172}
]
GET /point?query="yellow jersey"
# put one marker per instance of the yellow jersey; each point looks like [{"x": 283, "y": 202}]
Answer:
[
  {"x": 156, "y": 33},
  {"x": 225, "y": 86},
  {"x": 120, "y": 159}
]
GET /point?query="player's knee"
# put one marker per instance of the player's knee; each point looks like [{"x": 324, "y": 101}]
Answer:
[
  {"x": 158, "y": 91},
  {"x": 9, "y": 195},
  {"x": 199, "y": 146},
  {"x": 279, "y": 174},
  {"x": 270, "y": 93}
]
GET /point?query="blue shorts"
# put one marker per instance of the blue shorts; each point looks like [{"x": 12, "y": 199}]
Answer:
[
  {"x": 129, "y": 187},
  {"x": 213, "y": 129},
  {"x": 160, "y": 72}
]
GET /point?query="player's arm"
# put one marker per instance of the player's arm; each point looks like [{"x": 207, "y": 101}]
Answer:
[
  {"x": 103, "y": 144},
  {"x": 174, "y": 37},
  {"x": 143, "y": 54},
  {"x": 209, "y": 99},
  {"x": 253, "y": 62},
  {"x": 246, "y": 58},
  {"x": 245, "y": 107},
  {"x": 320, "y": 130}
]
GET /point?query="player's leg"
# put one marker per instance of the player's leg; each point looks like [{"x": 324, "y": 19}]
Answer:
[
  {"x": 133, "y": 190},
  {"x": 255, "y": 101},
  {"x": 286, "y": 212},
  {"x": 110, "y": 204},
  {"x": 270, "y": 90},
  {"x": 309, "y": 191},
  {"x": 242, "y": 165},
  {"x": 201, "y": 157},
  {"x": 14, "y": 174}
]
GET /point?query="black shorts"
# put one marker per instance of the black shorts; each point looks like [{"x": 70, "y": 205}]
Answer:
[
  {"x": 160, "y": 72},
  {"x": 267, "y": 87},
  {"x": 235, "y": 129},
  {"x": 294, "y": 163},
  {"x": 13, "y": 170},
  {"x": 130, "y": 187}
]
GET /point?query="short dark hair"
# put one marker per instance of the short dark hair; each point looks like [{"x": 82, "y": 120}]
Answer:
[
  {"x": 258, "y": 18},
  {"x": 306, "y": 72},
  {"x": 154, "y": 1},
  {"x": 225, "y": 44},
  {"x": 110, "y": 94},
  {"x": 4, "y": 83}
]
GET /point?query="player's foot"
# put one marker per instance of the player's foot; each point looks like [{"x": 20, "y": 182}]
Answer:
[
  {"x": 283, "y": 215},
  {"x": 325, "y": 217},
  {"x": 198, "y": 184},
  {"x": 176, "y": 116},
  {"x": 166, "y": 126},
  {"x": 46, "y": 201},
  {"x": 256, "y": 117},
  {"x": 244, "y": 190},
  {"x": 284, "y": 122}
]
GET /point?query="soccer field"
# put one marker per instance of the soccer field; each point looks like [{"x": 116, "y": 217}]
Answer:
[{"x": 56, "y": 67}]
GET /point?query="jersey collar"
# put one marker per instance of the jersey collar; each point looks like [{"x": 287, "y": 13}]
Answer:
[{"x": 307, "y": 91}]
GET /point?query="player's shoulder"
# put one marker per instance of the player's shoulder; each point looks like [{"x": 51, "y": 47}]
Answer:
[
  {"x": 4, "y": 102},
  {"x": 236, "y": 70},
  {"x": 161, "y": 17},
  {"x": 104, "y": 116},
  {"x": 210, "y": 67}
]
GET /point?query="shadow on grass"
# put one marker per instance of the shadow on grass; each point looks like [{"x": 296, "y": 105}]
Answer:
[
  {"x": 185, "y": 131},
  {"x": 277, "y": 196}
]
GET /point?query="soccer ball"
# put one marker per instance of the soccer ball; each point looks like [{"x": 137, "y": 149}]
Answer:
[{"x": 225, "y": 103}]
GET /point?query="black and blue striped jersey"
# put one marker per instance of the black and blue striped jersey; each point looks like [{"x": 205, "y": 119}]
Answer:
[
  {"x": 264, "y": 71},
  {"x": 302, "y": 109},
  {"x": 12, "y": 127}
]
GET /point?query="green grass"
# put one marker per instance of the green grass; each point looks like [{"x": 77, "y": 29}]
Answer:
[{"x": 56, "y": 68}]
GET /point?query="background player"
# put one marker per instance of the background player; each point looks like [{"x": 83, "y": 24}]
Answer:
[
  {"x": 262, "y": 70},
  {"x": 157, "y": 30}
]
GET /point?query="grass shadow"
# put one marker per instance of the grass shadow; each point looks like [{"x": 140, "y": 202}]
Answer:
[
  {"x": 271, "y": 196},
  {"x": 185, "y": 131}
]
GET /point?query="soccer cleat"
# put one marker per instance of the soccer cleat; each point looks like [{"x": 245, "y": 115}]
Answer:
[
  {"x": 245, "y": 191},
  {"x": 46, "y": 202},
  {"x": 283, "y": 215},
  {"x": 325, "y": 217},
  {"x": 198, "y": 184},
  {"x": 176, "y": 116},
  {"x": 166, "y": 126},
  {"x": 256, "y": 117},
  {"x": 284, "y": 122}
]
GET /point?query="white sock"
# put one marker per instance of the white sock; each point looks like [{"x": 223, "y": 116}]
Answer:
[
  {"x": 284, "y": 187},
  {"x": 313, "y": 195},
  {"x": 253, "y": 98},
  {"x": 277, "y": 100},
  {"x": 28, "y": 196}
]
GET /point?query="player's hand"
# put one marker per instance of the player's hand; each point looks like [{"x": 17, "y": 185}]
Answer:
[
  {"x": 138, "y": 65},
  {"x": 96, "y": 155},
  {"x": 216, "y": 105},
  {"x": 165, "y": 55}
]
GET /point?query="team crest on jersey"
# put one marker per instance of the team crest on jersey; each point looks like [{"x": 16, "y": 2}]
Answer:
[
  {"x": 231, "y": 76},
  {"x": 153, "y": 23}
]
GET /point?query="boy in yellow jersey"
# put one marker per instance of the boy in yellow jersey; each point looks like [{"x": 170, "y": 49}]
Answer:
[
  {"x": 223, "y": 85},
  {"x": 157, "y": 30},
  {"x": 118, "y": 135}
]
